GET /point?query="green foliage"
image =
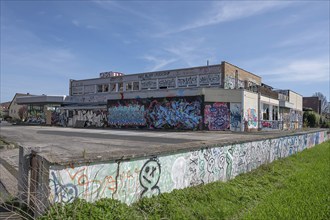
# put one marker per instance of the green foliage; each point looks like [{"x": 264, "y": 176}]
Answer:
[
  {"x": 292, "y": 188},
  {"x": 324, "y": 122},
  {"x": 312, "y": 119},
  {"x": 101, "y": 209}
]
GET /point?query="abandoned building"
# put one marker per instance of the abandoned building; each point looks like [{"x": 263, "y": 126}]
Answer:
[{"x": 212, "y": 97}]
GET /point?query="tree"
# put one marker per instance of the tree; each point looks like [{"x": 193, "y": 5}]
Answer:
[
  {"x": 22, "y": 112},
  {"x": 324, "y": 103}
]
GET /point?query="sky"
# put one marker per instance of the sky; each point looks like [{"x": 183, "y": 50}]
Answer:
[{"x": 44, "y": 44}]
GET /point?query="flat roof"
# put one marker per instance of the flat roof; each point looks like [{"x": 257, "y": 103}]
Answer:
[
  {"x": 42, "y": 99},
  {"x": 159, "y": 71},
  {"x": 65, "y": 146}
]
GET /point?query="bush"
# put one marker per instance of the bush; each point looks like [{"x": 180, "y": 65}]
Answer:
[
  {"x": 312, "y": 119},
  {"x": 325, "y": 123}
]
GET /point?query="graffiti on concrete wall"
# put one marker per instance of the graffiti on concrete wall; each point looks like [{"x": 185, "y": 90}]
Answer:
[
  {"x": 229, "y": 82},
  {"x": 165, "y": 113},
  {"x": 175, "y": 113},
  {"x": 59, "y": 118},
  {"x": 36, "y": 117},
  {"x": 209, "y": 79},
  {"x": 217, "y": 116},
  {"x": 148, "y": 84},
  {"x": 128, "y": 181},
  {"x": 149, "y": 177},
  {"x": 90, "y": 118},
  {"x": 166, "y": 83},
  {"x": 292, "y": 119},
  {"x": 187, "y": 81},
  {"x": 235, "y": 116},
  {"x": 270, "y": 124},
  {"x": 252, "y": 118},
  {"x": 63, "y": 193},
  {"x": 296, "y": 119},
  {"x": 130, "y": 114}
]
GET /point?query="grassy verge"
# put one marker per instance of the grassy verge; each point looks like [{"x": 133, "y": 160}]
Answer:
[{"x": 297, "y": 187}]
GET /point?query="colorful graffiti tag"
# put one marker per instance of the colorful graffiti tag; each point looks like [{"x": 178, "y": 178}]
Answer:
[
  {"x": 217, "y": 116},
  {"x": 128, "y": 181},
  {"x": 252, "y": 118}
]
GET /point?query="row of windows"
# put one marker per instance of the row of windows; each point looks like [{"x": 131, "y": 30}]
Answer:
[
  {"x": 128, "y": 86},
  {"x": 117, "y": 87}
]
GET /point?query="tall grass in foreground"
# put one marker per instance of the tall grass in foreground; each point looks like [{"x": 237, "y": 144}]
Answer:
[{"x": 297, "y": 187}]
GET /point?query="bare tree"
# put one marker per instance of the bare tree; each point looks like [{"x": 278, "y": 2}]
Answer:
[
  {"x": 22, "y": 112},
  {"x": 324, "y": 103}
]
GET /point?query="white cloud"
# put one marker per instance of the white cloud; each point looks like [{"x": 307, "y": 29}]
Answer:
[
  {"x": 113, "y": 5},
  {"x": 311, "y": 37},
  {"x": 187, "y": 52},
  {"x": 301, "y": 70},
  {"x": 225, "y": 11},
  {"x": 159, "y": 63},
  {"x": 75, "y": 23}
]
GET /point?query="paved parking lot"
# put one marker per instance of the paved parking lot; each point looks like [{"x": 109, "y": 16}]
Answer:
[{"x": 64, "y": 145}]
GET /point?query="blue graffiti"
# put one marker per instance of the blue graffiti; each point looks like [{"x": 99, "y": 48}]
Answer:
[
  {"x": 63, "y": 193},
  {"x": 132, "y": 114},
  {"x": 175, "y": 114}
]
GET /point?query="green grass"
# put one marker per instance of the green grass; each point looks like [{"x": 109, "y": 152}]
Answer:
[{"x": 297, "y": 187}]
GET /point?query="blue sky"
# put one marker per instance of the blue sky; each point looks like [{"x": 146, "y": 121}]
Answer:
[{"x": 46, "y": 43}]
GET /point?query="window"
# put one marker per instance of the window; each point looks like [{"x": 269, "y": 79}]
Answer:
[
  {"x": 265, "y": 112},
  {"x": 103, "y": 88},
  {"x": 99, "y": 88},
  {"x": 136, "y": 86},
  {"x": 120, "y": 87},
  {"x": 129, "y": 86},
  {"x": 113, "y": 87},
  {"x": 275, "y": 113}
]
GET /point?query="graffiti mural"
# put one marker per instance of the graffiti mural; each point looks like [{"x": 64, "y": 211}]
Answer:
[
  {"x": 187, "y": 81},
  {"x": 251, "y": 118},
  {"x": 229, "y": 82},
  {"x": 217, "y": 116},
  {"x": 132, "y": 114},
  {"x": 165, "y": 113},
  {"x": 90, "y": 118},
  {"x": 128, "y": 181},
  {"x": 59, "y": 118},
  {"x": 291, "y": 119},
  {"x": 36, "y": 117},
  {"x": 235, "y": 116},
  {"x": 209, "y": 79}
]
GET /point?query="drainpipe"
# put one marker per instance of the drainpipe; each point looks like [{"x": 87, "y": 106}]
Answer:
[
  {"x": 259, "y": 110},
  {"x": 242, "y": 111}
]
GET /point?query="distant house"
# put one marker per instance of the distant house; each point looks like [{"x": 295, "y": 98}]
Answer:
[
  {"x": 41, "y": 109},
  {"x": 312, "y": 102},
  {"x": 14, "y": 108},
  {"x": 4, "y": 109}
]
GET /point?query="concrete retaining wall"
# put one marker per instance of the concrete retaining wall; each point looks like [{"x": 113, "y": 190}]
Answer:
[{"x": 130, "y": 180}]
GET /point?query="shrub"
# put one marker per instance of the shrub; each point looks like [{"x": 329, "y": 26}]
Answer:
[{"x": 312, "y": 119}]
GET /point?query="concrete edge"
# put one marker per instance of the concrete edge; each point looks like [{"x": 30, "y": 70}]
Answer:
[{"x": 189, "y": 146}]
